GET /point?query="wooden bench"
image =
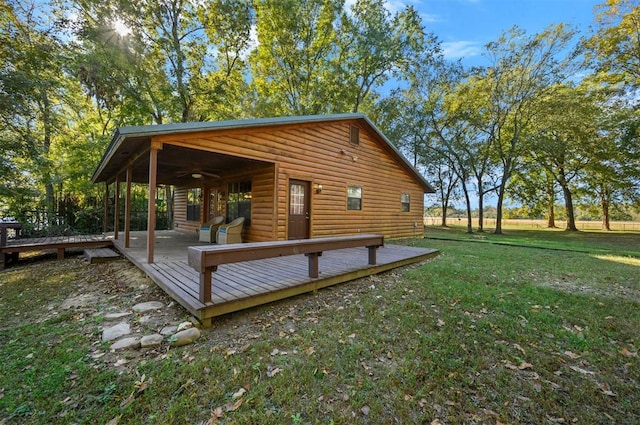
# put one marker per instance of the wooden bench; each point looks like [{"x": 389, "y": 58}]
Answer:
[{"x": 206, "y": 259}]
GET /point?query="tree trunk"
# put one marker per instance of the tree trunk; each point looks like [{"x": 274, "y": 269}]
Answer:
[
  {"x": 568, "y": 202},
  {"x": 551, "y": 214},
  {"x": 443, "y": 221},
  {"x": 498, "y": 230},
  {"x": 605, "y": 202},
  {"x": 468, "y": 202},
  {"x": 480, "y": 206},
  {"x": 501, "y": 193},
  {"x": 551, "y": 199}
]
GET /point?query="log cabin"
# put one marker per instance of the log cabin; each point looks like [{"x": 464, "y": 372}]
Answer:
[{"x": 289, "y": 177}]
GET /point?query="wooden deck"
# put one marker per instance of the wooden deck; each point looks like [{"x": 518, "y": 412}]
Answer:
[
  {"x": 242, "y": 285},
  {"x": 14, "y": 247}
]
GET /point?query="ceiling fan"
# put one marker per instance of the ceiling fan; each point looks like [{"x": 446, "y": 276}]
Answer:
[{"x": 197, "y": 173}]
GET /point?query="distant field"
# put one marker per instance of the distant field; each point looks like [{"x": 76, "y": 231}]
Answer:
[{"x": 490, "y": 223}]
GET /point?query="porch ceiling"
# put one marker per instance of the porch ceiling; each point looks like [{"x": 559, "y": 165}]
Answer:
[{"x": 175, "y": 164}]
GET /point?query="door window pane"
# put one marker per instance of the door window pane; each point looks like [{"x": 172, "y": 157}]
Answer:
[{"x": 296, "y": 199}]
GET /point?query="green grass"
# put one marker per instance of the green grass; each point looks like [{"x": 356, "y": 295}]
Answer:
[
  {"x": 620, "y": 243},
  {"x": 484, "y": 333}
]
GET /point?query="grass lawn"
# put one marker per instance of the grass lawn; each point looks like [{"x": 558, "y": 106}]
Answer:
[{"x": 529, "y": 327}]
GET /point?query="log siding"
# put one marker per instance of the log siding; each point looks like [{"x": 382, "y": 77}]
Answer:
[{"x": 321, "y": 153}]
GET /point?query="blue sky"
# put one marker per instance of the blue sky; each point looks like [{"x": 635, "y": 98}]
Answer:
[{"x": 465, "y": 26}]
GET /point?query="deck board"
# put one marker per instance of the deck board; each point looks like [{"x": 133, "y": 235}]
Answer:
[
  {"x": 237, "y": 286},
  {"x": 14, "y": 247}
]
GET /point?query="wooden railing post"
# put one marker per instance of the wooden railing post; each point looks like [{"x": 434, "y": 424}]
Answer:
[
  {"x": 313, "y": 263},
  {"x": 372, "y": 254},
  {"x": 205, "y": 285}
]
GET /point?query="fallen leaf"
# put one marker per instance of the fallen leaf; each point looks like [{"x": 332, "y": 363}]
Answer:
[
  {"x": 275, "y": 352},
  {"x": 440, "y": 323},
  {"x": 572, "y": 356},
  {"x": 582, "y": 371},
  {"x": 605, "y": 389},
  {"x": 365, "y": 410},
  {"x": 525, "y": 365},
  {"x": 310, "y": 351},
  {"x": 274, "y": 372},
  {"x": 625, "y": 352},
  {"x": 233, "y": 407},
  {"x": 238, "y": 393},
  {"x": 508, "y": 365},
  {"x": 436, "y": 422},
  {"x": 217, "y": 412},
  {"x": 519, "y": 348},
  {"x": 113, "y": 421}
]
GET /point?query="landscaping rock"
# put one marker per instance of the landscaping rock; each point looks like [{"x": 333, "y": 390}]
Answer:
[
  {"x": 185, "y": 337},
  {"x": 152, "y": 322},
  {"x": 169, "y": 330},
  {"x": 126, "y": 343},
  {"x": 114, "y": 332},
  {"x": 184, "y": 325},
  {"x": 115, "y": 316},
  {"x": 80, "y": 301},
  {"x": 148, "y": 306},
  {"x": 151, "y": 340}
]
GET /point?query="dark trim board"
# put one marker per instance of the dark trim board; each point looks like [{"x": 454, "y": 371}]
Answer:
[{"x": 238, "y": 286}]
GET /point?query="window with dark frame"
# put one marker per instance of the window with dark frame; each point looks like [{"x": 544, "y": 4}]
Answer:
[
  {"x": 354, "y": 198},
  {"x": 239, "y": 202},
  {"x": 193, "y": 204},
  {"x": 354, "y": 135},
  {"x": 405, "y": 202}
]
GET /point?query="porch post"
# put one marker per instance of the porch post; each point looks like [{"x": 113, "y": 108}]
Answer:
[
  {"x": 116, "y": 211},
  {"x": 151, "y": 218},
  {"x": 127, "y": 207},
  {"x": 206, "y": 204},
  {"x": 105, "y": 226}
]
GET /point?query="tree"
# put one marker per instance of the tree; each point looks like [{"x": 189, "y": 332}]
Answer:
[
  {"x": 32, "y": 88},
  {"x": 564, "y": 140},
  {"x": 374, "y": 46},
  {"x": 523, "y": 70},
  {"x": 297, "y": 48},
  {"x": 614, "y": 46}
]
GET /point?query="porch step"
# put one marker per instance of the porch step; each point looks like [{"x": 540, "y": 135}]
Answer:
[{"x": 100, "y": 255}]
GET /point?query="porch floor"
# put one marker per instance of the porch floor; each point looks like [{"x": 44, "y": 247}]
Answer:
[{"x": 243, "y": 285}]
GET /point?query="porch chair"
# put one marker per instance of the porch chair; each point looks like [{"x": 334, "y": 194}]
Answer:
[
  {"x": 231, "y": 232},
  {"x": 209, "y": 229}
]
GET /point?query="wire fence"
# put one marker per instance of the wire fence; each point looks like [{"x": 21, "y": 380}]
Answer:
[{"x": 621, "y": 226}]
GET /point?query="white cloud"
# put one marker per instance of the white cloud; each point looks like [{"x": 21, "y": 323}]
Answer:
[{"x": 461, "y": 49}]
